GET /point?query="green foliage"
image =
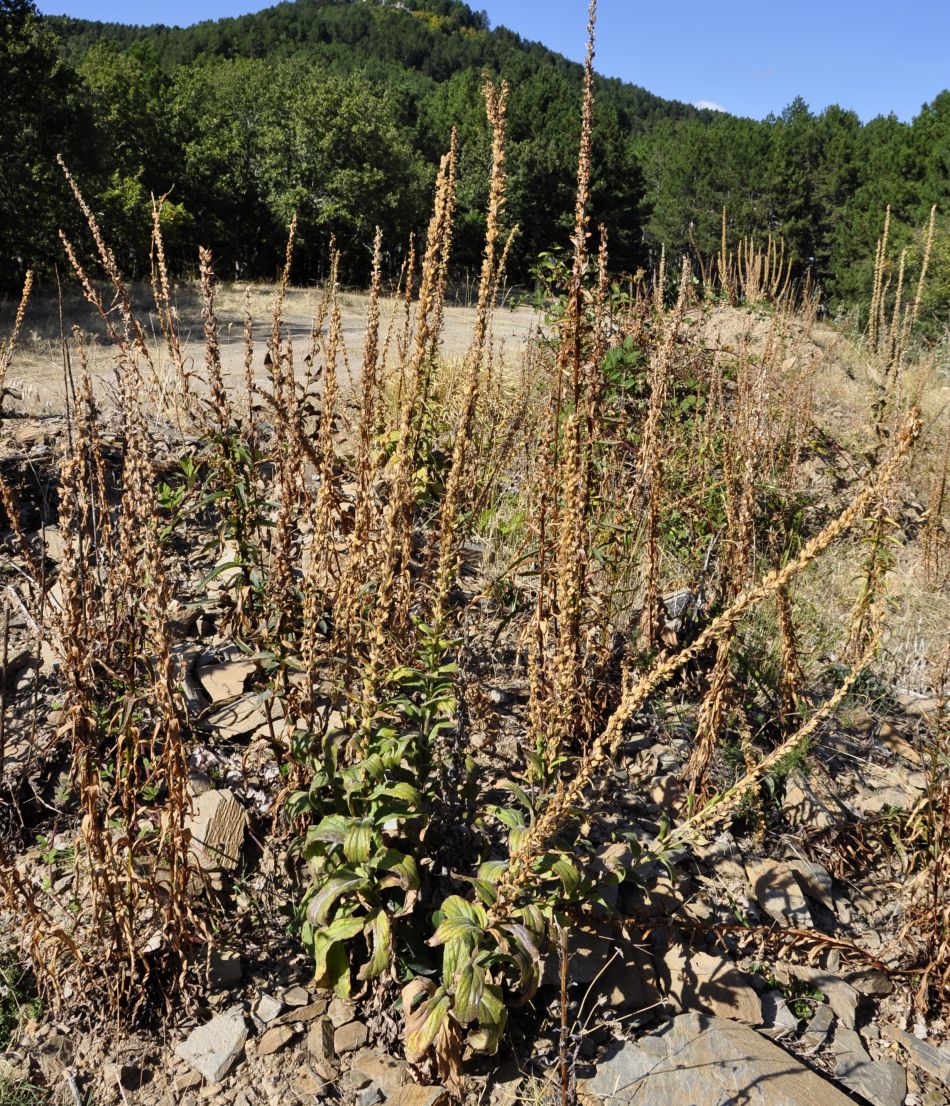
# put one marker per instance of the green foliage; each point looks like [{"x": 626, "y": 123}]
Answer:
[
  {"x": 380, "y": 807},
  {"x": 261, "y": 140},
  {"x": 800, "y": 998},
  {"x": 21, "y": 1094},
  {"x": 338, "y": 112},
  {"x": 41, "y": 113},
  {"x": 935, "y": 302},
  {"x": 820, "y": 182},
  {"x": 371, "y": 799},
  {"x": 221, "y": 486},
  {"x": 18, "y": 1004}
]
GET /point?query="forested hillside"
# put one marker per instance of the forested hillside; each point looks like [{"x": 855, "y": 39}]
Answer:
[{"x": 338, "y": 110}]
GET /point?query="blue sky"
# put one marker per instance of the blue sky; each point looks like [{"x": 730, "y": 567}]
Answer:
[{"x": 751, "y": 57}]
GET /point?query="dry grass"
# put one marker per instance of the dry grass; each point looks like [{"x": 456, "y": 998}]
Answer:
[{"x": 372, "y": 493}]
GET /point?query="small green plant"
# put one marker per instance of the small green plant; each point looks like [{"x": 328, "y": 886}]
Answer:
[
  {"x": 174, "y": 498},
  {"x": 372, "y": 796},
  {"x": 394, "y": 824},
  {"x": 17, "y": 1001},
  {"x": 18, "y": 1004},
  {"x": 224, "y": 486},
  {"x": 16, "y": 1093},
  {"x": 800, "y": 998},
  {"x": 51, "y": 853}
]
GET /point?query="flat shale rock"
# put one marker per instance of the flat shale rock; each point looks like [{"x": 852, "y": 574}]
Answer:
[
  {"x": 225, "y": 680},
  {"x": 217, "y": 829},
  {"x": 12, "y": 1073},
  {"x": 916, "y": 704},
  {"x": 320, "y": 1041},
  {"x": 778, "y": 893},
  {"x": 590, "y": 953},
  {"x": 274, "y": 1039},
  {"x": 297, "y": 997},
  {"x": 350, "y": 1038},
  {"x": 872, "y": 803},
  {"x": 810, "y": 802},
  {"x": 340, "y": 1012},
  {"x": 881, "y": 1082},
  {"x": 934, "y": 1061},
  {"x": 702, "y": 981},
  {"x": 817, "y": 1032},
  {"x": 617, "y": 968},
  {"x": 267, "y": 1008},
  {"x": 700, "y": 1060},
  {"x": 237, "y": 719},
  {"x": 778, "y": 1020},
  {"x": 815, "y": 880},
  {"x": 21, "y": 661},
  {"x": 413, "y": 1095},
  {"x": 388, "y": 1073},
  {"x": 308, "y": 1013},
  {"x": 213, "y": 1048},
  {"x": 630, "y": 982}
]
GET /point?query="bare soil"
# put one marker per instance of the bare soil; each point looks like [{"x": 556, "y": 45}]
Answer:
[{"x": 37, "y": 373}]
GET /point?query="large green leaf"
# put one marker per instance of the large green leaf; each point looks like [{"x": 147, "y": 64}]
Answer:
[
  {"x": 517, "y": 942},
  {"x": 469, "y": 988},
  {"x": 460, "y": 928},
  {"x": 379, "y": 937},
  {"x": 492, "y": 1018},
  {"x": 518, "y": 792},
  {"x": 568, "y": 874},
  {"x": 400, "y": 868},
  {"x": 424, "y": 1024},
  {"x": 457, "y": 956},
  {"x": 485, "y": 890},
  {"x": 522, "y": 939},
  {"x": 454, "y": 906},
  {"x": 454, "y": 929},
  {"x": 342, "y": 929},
  {"x": 332, "y": 829},
  {"x": 491, "y": 871},
  {"x": 338, "y": 969},
  {"x": 319, "y": 907},
  {"x": 373, "y": 767},
  {"x": 509, "y": 817},
  {"x": 321, "y": 950},
  {"x": 298, "y": 804},
  {"x": 533, "y": 917},
  {"x": 358, "y": 841},
  {"x": 404, "y": 792}
]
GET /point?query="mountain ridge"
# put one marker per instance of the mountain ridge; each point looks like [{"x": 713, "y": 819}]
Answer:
[{"x": 293, "y": 26}]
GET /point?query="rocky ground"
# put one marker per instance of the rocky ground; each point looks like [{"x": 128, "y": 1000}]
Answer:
[
  {"x": 771, "y": 969},
  {"x": 781, "y": 957},
  {"x": 770, "y": 964}
]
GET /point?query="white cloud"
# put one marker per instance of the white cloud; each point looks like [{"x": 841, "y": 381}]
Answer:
[{"x": 710, "y": 105}]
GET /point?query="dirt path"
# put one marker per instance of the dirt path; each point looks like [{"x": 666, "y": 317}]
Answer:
[{"x": 37, "y": 368}]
